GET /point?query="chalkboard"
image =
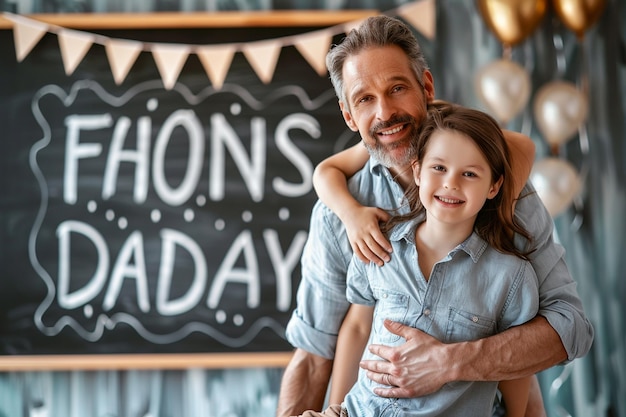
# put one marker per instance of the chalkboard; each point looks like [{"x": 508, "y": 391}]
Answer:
[{"x": 141, "y": 220}]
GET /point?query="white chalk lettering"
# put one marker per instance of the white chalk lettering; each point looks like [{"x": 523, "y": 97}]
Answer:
[
  {"x": 165, "y": 306},
  {"x": 229, "y": 273},
  {"x": 131, "y": 264},
  {"x": 310, "y": 125},
  {"x": 74, "y": 150},
  {"x": 88, "y": 292},
  {"x": 188, "y": 120},
  {"x": 123, "y": 269},
  {"x": 179, "y": 212},
  {"x": 283, "y": 265},
  {"x": 140, "y": 157},
  {"x": 252, "y": 169}
]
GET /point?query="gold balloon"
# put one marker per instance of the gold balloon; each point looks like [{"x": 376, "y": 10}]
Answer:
[
  {"x": 579, "y": 15},
  {"x": 504, "y": 87},
  {"x": 512, "y": 20}
]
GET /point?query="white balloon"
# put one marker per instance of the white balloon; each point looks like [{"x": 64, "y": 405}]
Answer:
[
  {"x": 560, "y": 109},
  {"x": 556, "y": 182},
  {"x": 504, "y": 87}
]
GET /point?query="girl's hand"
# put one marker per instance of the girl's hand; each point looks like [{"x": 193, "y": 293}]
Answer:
[{"x": 368, "y": 242}]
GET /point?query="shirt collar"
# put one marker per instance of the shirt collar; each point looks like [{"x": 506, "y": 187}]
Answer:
[
  {"x": 474, "y": 245},
  {"x": 375, "y": 166}
]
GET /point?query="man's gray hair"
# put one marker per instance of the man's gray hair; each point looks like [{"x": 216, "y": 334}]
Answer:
[{"x": 374, "y": 32}]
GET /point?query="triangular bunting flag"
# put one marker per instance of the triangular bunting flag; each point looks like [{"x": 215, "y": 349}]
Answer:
[
  {"x": 121, "y": 55},
  {"x": 26, "y": 34},
  {"x": 263, "y": 57},
  {"x": 74, "y": 45},
  {"x": 170, "y": 60},
  {"x": 422, "y": 15},
  {"x": 314, "y": 47},
  {"x": 216, "y": 60}
]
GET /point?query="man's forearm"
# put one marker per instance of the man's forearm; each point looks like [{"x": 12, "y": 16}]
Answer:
[
  {"x": 515, "y": 353},
  {"x": 304, "y": 384}
]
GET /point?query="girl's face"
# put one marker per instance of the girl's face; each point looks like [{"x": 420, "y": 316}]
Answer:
[{"x": 454, "y": 178}]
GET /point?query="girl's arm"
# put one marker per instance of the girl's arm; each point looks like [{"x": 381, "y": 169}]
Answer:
[
  {"x": 522, "y": 150},
  {"x": 515, "y": 396},
  {"x": 351, "y": 342},
  {"x": 362, "y": 223}
]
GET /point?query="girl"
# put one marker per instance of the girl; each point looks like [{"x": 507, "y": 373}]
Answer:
[{"x": 455, "y": 273}]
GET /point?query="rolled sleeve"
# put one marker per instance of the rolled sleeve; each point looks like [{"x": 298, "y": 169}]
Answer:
[{"x": 559, "y": 301}]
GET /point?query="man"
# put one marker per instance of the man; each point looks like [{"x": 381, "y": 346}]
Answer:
[{"x": 384, "y": 99}]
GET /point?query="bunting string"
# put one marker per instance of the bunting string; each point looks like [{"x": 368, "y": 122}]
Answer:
[{"x": 216, "y": 59}]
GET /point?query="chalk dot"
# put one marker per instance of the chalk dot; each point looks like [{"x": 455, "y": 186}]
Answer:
[
  {"x": 284, "y": 214},
  {"x": 235, "y": 109},
  {"x": 109, "y": 215},
  {"x": 92, "y": 206},
  {"x": 200, "y": 200},
  {"x": 189, "y": 215},
  {"x": 246, "y": 216},
  {"x": 122, "y": 223},
  {"x": 152, "y": 104},
  {"x": 220, "y": 316},
  {"x": 88, "y": 311},
  {"x": 220, "y": 224},
  {"x": 155, "y": 215},
  {"x": 238, "y": 320}
]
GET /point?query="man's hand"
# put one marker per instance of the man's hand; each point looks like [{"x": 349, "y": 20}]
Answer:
[{"x": 418, "y": 367}]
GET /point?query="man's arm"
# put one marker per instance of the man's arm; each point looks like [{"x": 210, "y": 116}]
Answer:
[
  {"x": 320, "y": 309},
  {"x": 423, "y": 364},
  {"x": 304, "y": 384}
]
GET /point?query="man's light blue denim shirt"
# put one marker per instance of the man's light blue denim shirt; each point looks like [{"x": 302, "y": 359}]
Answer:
[
  {"x": 474, "y": 292},
  {"x": 321, "y": 297}
]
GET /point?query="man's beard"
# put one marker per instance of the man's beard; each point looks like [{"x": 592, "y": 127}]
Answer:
[{"x": 398, "y": 154}]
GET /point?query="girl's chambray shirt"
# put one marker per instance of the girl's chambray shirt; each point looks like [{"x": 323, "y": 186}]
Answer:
[{"x": 474, "y": 292}]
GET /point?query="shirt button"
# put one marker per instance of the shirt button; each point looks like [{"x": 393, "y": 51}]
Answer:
[
  {"x": 475, "y": 319},
  {"x": 427, "y": 312}
]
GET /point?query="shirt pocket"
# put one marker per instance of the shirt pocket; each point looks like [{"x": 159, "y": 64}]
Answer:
[
  {"x": 464, "y": 326},
  {"x": 390, "y": 305}
]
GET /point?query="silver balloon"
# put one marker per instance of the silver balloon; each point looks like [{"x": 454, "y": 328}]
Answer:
[
  {"x": 556, "y": 182},
  {"x": 504, "y": 87},
  {"x": 560, "y": 109}
]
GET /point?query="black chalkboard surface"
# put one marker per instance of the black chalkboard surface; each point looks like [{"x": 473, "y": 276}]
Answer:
[{"x": 136, "y": 219}]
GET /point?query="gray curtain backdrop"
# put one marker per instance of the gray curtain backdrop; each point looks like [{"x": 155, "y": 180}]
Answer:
[{"x": 593, "y": 230}]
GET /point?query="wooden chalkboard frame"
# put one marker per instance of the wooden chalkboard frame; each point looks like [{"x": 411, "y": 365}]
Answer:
[
  {"x": 171, "y": 20},
  {"x": 163, "y": 20},
  {"x": 162, "y": 361}
]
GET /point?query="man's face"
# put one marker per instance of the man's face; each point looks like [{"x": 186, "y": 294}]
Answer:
[{"x": 385, "y": 102}]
